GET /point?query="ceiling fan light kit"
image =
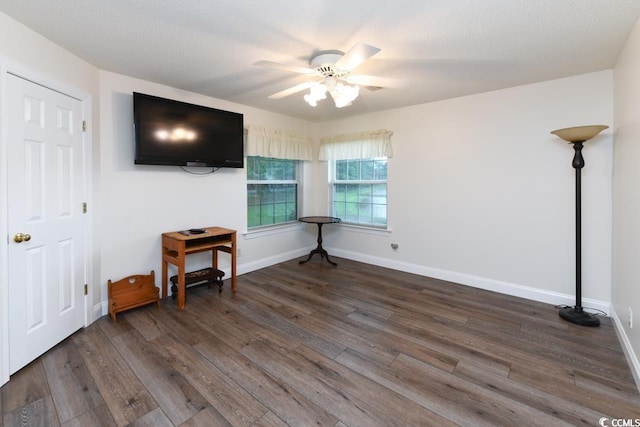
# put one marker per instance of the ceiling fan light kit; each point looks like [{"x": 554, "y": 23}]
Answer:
[
  {"x": 341, "y": 93},
  {"x": 333, "y": 71},
  {"x": 317, "y": 92}
]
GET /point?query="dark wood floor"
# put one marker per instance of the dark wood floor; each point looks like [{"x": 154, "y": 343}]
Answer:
[{"x": 313, "y": 344}]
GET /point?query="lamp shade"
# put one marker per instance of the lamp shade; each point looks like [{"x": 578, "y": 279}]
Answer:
[{"x": 579, "y": 133}]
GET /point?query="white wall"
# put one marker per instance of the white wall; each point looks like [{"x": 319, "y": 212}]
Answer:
[
  {"x": 481, "y": 193},
  {"x": 141, "y": 202},
  {"x": 626, "y": 201}
]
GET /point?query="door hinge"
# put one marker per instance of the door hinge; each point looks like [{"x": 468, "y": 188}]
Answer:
[
  {"x": 86, "y": 289},
  {"x": 84, "y": 207},
  {"x": 84, "y": 126}
]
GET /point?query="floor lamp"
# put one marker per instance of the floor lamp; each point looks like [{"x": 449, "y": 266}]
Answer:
[{"x": 577, "y": 136}]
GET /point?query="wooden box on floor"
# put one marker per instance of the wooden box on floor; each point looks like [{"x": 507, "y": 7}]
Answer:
[{"x": 132, "y": 291}]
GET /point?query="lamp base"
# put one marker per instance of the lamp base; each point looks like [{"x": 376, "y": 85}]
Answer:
[{"x": 579, "y": 317}]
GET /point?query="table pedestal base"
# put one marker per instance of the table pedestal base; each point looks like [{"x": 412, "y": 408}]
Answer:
[
  {"x": 319, "y": 249},
  {"x": 323, "y": 254}
]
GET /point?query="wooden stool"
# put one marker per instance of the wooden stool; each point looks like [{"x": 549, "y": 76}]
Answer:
[
  {"x": 206, "y": 276},
  {"x": 132, "y": 291}
]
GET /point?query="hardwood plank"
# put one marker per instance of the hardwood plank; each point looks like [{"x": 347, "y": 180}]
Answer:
[
  {"x": 430, "y": 335},
  {"x": 122, "y": 326},
  {"x": 389, "y": 407},
  {"x": 122, "y": 391},
  {"x": 551, "y": 404},
  {"x": 269, "y": 294},
  {"x": 259, "y": 314},
  {"x": 612, "y": 386},
  {"x": 286, "y": 403},
  {"x": 233, "y": 402},
  {"x": 459, "y": 401},
  {"x": 147, "y": 326},
  {"x": 270, "y": 420},
  {"x": 613, "y": 407},
  {"x": 155, "y": 418},
  {"x": 98, "y": 417},
  {"x": 178, "y": 399},
  {"x": 26, "y": 386},
  {"x": 346, "y": 408},
  {"x": 39, "y": 412},
  {"x": 576, "y": 354},
  {"x": 171, "y": 321},
  {"x": 208, "y": 417},
  {"x": 222, "y": 319},
  {"x": 72, "y": 387},
  {"x": 296, "y": 293},
  {"x": 343, "y": 333}
]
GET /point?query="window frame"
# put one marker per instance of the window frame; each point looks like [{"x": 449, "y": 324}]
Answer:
[
  {"x": 298, "y": 202},
  {"x": 333, "y": 169}
]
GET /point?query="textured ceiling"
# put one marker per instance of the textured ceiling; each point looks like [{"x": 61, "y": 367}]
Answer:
[{"x": 439, "y": 49}]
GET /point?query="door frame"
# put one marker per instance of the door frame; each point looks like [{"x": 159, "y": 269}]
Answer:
[{"x": 8, "y": 67}]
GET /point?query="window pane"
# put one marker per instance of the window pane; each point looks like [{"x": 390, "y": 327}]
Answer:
[
  {"x": 360, "y": 201},
  {"x": 341, "y": 170},
  {"x": 271, "y": 203},
  {"x": 340, "y": 193},
  {"x": 353, "y": 170},
  {"x": 381, "y": 169},
  {"x": 379, "y": 215},
  {"x": 250, "y": 167},
  {"x": 366, "y": 170}
]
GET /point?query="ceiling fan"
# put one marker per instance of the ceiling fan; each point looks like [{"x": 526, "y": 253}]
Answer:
[{"x": 330, "y": 71}]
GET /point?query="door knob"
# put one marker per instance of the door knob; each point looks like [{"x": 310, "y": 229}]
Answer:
[{"x": 20, "y": 237}]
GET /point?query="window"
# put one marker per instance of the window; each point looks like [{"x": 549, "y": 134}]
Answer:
[
  {"x": 360, "y": 191},
  {"x": 272, "y": 191}
]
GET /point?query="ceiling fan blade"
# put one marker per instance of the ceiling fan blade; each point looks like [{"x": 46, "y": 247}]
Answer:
[
  {"x": 285, "y": 67},
  {"x": 375, "y": 81},
  {"x": 291, "y": 90},
  {"x": 356, "y": 56}
]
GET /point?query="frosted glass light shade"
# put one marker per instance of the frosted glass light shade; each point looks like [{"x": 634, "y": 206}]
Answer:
[{"x": 579, "y": 133}]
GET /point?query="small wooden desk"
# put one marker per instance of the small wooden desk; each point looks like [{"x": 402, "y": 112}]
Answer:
[{"x": 176, "y": 246}]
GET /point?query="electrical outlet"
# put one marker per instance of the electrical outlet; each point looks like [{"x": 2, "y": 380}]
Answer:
[
  {"x": 630, "y": 318},
  {"x": 238, "y": 252}
]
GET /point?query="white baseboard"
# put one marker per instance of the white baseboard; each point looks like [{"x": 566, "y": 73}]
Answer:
[
  {"x": 100, "y": 310},
  {"x": 275, "y": 259},
  {"x": 506, "y": 288},
  {"x": 631, "y": 356}
]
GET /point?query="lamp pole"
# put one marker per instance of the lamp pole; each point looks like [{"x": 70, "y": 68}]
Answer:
[
  {"x": 577, "y": 136},
  {"x": 578, "y": 164}
]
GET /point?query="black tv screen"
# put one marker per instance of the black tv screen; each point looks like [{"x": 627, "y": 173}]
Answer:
[{"x": 169, "y": 132}]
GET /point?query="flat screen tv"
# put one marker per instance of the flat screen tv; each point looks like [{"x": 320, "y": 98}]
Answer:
[{"x": 169, "y": 132}]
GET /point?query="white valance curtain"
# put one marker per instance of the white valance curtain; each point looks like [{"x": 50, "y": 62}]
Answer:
[
  {"x": 361, "y": 145},
  {"x": 277, "y": 144}
]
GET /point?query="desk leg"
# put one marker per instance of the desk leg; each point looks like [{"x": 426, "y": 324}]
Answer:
[
  {"x": 234, "y": 282},
  {"x": 182, "y": 289},
  {"x": 164, "y": 278}
]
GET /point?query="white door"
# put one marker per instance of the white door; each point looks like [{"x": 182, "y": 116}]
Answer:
[{"x": 45, "y": 219}]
